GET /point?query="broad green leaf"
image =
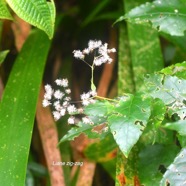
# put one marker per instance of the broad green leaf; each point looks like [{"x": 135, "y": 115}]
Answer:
[
  {"x": 18, "y": 107},
  {"x": 129, "y": 121},
  {"x": 144, "y": 47},
  {"x": 179, "y": 126},
  {"x": 3, "y": 55},
  {"x": 4, "y": 12},
  {"x": 153, "y": 160},
  {"x": 102, "y": 151},
  {"x": 170, "y": 89},
  {"x": 39, "y": 13},
  {"x": 166, "y": 16},
  {"x": 176, "y": 173}
]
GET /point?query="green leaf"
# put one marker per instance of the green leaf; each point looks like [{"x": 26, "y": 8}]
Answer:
[
  {"x": 99, "y": 108},
  {"x": 145, "y": 48},
  {"x": 39, "y": 13},
  {"x": 84, "y": 128},
  {"x": 169, "y": 89},
  {"x": 154, "y": 133},
  {"x": 3, "y": 55},
  {"x": 178, "y": 70},
  {"x": 153, "y": 159},
  {"x": 125, "y": 72},
  {"x": 18, "y": 107},
  {"x": 4, "y": 12},
  {"x": 162, "y": 14},
  {"x": 179, "y": 126},
  {"x": 176, "y": 173},
  {"x": 129, "y": 121}
]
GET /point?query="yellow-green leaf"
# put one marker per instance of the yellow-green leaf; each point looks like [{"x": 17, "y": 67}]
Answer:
[
  {"x": 39, "y": 13},
  {"x": 4, "y": 12}
]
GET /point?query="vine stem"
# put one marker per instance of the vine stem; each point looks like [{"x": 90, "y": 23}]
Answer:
[{"x": 103, "y": 98}]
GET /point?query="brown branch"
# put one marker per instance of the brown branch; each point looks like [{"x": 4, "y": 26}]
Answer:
[
  {"x": 49, "y": 138},
  {"x": 21, "y": 30}
]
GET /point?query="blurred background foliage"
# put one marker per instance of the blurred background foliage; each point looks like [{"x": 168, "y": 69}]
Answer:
[{"x": 78, "y": 21}]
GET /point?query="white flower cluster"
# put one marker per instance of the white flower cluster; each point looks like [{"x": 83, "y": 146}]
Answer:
[
  {"x": 87, "y": 98},
  {"x": 101, "y": 50},
  {"x": 62, "y": 102}
]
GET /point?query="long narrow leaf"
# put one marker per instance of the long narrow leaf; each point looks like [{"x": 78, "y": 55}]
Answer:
[
  {"x": 145, "y": 48},
  {"x": 18, "y": 107}
]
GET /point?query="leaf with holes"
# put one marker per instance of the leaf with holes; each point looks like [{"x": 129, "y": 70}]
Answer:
[
  {"x": 165, "y": 15},
  {"x": 176, "y": 173},
  {"x": 129, "y": 121},
  {"x": 178, "y": 70},
  {"x": 39, "y": 13},
  {"x": 4, "y": 12},
  {"x": 153, "y": 159},
  {"x": 92, "y": 131},
  {"x": 167, "y": 88}
]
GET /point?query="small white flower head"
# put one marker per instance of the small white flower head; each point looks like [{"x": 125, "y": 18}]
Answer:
[
  {"x": 67, "y": 99},
  {"x": 57, "y": 105},
  {"x": 56, "y": 115},
  {"x": 48, "y": 92},
  {"x": 62, "y": 82},
  {"x": 86, "y": 51},
  {"x": 112, "y": 50},
  {"x": 98, "y": 61},
  {"x": 86, "y": 120},
  {"x": 68, "y": 91},
  {"x": 78, "y": 54},
  {"x": 71, "y": 109},
  {"x": 65, "y": 104},
  {"x": 85, "y": 96},
  {"x": 48, "y": 96},
  {"x": 58, "y": 94},
  {"x": 48, "y": 88},
  {"x": 62, "y": 111},
  {"x": 46, "y": 103},
  {"x": 94, "y": 44},
  {"x": 85, "y": 102},
  {"x": 71, "y": 120}
]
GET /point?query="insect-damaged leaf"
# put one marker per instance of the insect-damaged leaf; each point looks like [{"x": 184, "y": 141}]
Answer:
[
  {"x": 176, "y": 173},
  {"x": 162, "y": 14},
  {"x": 129, "y": 121}
]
